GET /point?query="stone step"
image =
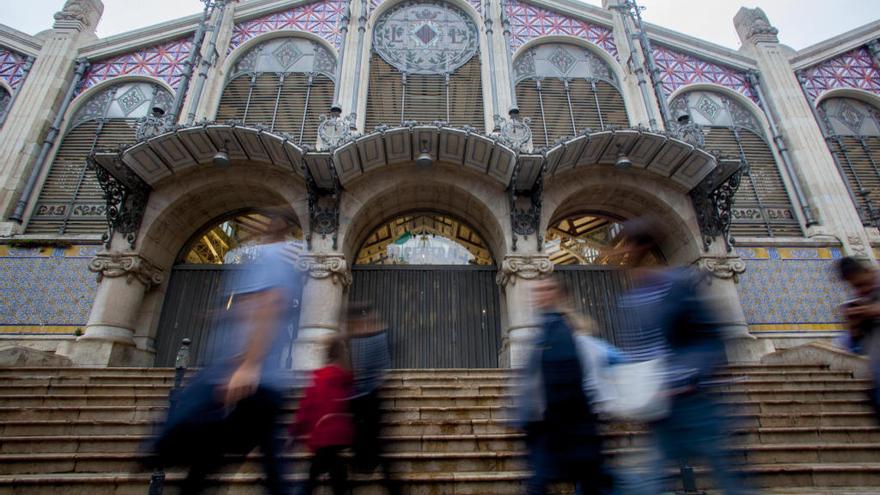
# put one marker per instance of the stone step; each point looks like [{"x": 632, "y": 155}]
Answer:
[
  {"x": 456, "y": 442},
  {"x": 434, "y": 462}
]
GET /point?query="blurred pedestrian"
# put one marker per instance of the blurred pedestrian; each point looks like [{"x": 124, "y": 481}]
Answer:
[
  {"x": 324, "y": 419},
  {"x": 370, "y": 352},
  {"x": 672, "y": 319},
  {"x": 862, "y": 315},
  {"x": 553, "y": 403},
  {"x": 234, "y": 403}
]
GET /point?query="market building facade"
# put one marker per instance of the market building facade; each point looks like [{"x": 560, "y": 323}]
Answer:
[{"x": 436, "y": 156}]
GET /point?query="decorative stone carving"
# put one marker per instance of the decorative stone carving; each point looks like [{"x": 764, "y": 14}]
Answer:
[
  {"x": 336, "y": 130},
  {"x": 129, "y": 265},
  {"x": 79, "y": 15},
  {"x": 322, "y": 266},
  {"x": 523, "y": 266},
  {"x": 723, "y": 268},
  {"x": 857, "y": 247},
  {"x": 753, "y": 25},
  {"x": 513, "y": 132}
]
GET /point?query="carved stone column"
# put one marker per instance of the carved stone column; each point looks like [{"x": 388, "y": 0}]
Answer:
[
  {"x": 123, "y": 280},
  {"x": 327, "y": 279},
  {"x": 515, "y": 276},
  {"x": 724, "y": 272}
]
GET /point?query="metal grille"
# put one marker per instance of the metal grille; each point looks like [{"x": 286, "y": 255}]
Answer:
[
  {"x": 560, "y": 108},
  {"x": 71, "y": 200},
  {"x": 761, "y": 206},
  {"x": 595, "y": 292},
  {"x": 858, "y": 157},
  {"x": 440, "y": 316},
  {"x": 291, "y": 103},
  {"x": 394, "y": 98}
]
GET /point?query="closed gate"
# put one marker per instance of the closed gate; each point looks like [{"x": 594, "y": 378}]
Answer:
[
  {"x": 440, "y": 316},
  {"x": 595, "y": 291}
]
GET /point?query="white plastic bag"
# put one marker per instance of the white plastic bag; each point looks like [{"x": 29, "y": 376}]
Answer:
[{"x": 635, "y": 391}]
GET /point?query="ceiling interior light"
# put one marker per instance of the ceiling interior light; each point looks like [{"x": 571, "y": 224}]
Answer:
[
  {"x": 221, "y": 158},
  {"x": 424, "y": 159}
]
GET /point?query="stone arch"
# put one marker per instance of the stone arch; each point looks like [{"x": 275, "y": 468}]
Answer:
[
  {"x": 179, "y": 208},
  {"x": 367, "y": 52},
  {"x": 238, "y": 52},
  {"x": 610, "y": 61},
  {"x": 92, "y": 91},
  {"x": 738, "y": 97},
  {"x": 5, "y": 86},
  {"x": 862, "y": 95},
  {"x": 468, "y": 196},
  {"x": 627, "y": 194}
]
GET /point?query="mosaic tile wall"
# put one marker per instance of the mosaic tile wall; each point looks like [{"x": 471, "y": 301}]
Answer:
[
  {"x": 45, "y": 290},
  {"x": 680, "y": 69},
  {"x": 166, "y": 61},
  {"x": 321, "y": 18},
  {"x": 791, "y": 289},
  {"x": 528, "y": 22},
  {"x": 853, "y": 69},
  {"x": 12, "y": 67}
]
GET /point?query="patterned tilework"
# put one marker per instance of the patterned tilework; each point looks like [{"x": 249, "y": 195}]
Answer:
[
  {"x": 680, "y": 69},
  {"x": 476, "y": 4},
  {"x": 45, "y": 290},
  {"x": 166, "y": 61},
  {"x": 12, "y": 67},
  {"x": 790, "y": 288},
  {"x": 528, "y": 22},
  {"x": 321, "y": 18},
  {"x": 853, "y": 69}
]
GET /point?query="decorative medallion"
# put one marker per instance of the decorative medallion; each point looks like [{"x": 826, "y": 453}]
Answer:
[
  {"x": 426, "y": 38},
  {"x": 287, "y": 54},
  {"x": 849, "y": 116},
  {"x": 562, "y": 60},
  {"x": 131, "y": 99},
  {"x": 708, "y": 108}
]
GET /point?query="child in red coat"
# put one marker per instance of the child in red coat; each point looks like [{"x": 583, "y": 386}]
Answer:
[{"x": 324, "y": 419}]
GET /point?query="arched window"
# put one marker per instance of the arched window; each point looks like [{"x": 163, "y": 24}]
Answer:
[
  {"x": 762, "y": 206},
  {"x": 425, "y": 67},
  {"x": 852, "y": 129},
  {"x": 564, "y": 89},
  {"x": 71, "y": 200},
  {"x": 285, "y": 84}
]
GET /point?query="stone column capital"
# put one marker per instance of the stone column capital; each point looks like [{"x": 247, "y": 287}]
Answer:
[
  {"x": 125, "y": 264},
  {"x": 322, "y": 266},
  {"x": 523, "y": 266},
  {"x": 722, "y": 267}
]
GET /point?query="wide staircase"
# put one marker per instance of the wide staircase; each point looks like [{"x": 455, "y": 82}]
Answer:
[{"x": 804, "y": 429}]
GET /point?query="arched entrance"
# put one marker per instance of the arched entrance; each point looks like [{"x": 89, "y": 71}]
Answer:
[
  {"x": 583, "y": 249},
  {"x": 198, "y": 289},
  {"x": 431, "y": 277}
]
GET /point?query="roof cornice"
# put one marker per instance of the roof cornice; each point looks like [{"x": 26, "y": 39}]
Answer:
[
  {"x": 703, "y": 49},
  {"x": 576, "y": 9},
  {"x": 835, "y": 46},
  {"x": 140, "y": 38},
  {"x": 20, "y": 42}
]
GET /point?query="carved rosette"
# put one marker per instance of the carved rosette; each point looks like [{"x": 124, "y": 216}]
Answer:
[
  {"x": 129, "y": 265},
  {"x": 723, "y": 268},
  {"x": 323, "y": 266},
  {"x": 523, "y": 266}
]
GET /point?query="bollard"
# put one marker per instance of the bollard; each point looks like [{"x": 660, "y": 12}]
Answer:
[{"x": 181, "y": 361}]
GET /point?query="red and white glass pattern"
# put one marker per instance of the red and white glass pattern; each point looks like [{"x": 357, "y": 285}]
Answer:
[
  {"x": 12, "y": 67},
  {"x": 166, "y": 61},
  {"x": 528, "y": 22},
  {"x": 680, "y": 69},
  {"x": 476, "y": 4},
  {"x": 853, "y": 69},
  {"x": 319, "y": 18}
]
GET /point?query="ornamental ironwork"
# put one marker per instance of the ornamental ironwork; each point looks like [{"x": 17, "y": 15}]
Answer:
[
  {"x": 285, "y": 56},
  {"x": 132, "y": 100},
  {"x": 708, "y": 108},
  {"x": 426, "y": 38},
  {"x": 561, "y": 61},
  {"x": 713, "y": 201},
  {"x": 126, "y": 196},
  {"x": 526, "y": 220}
]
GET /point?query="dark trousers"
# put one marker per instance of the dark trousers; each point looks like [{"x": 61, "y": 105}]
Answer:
[
  {"x": 199, "y": 432},
  {"x": 588, "y": 473},
  {"x": 367, "y": 411},
  {"x": 328, "y": 460}
]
